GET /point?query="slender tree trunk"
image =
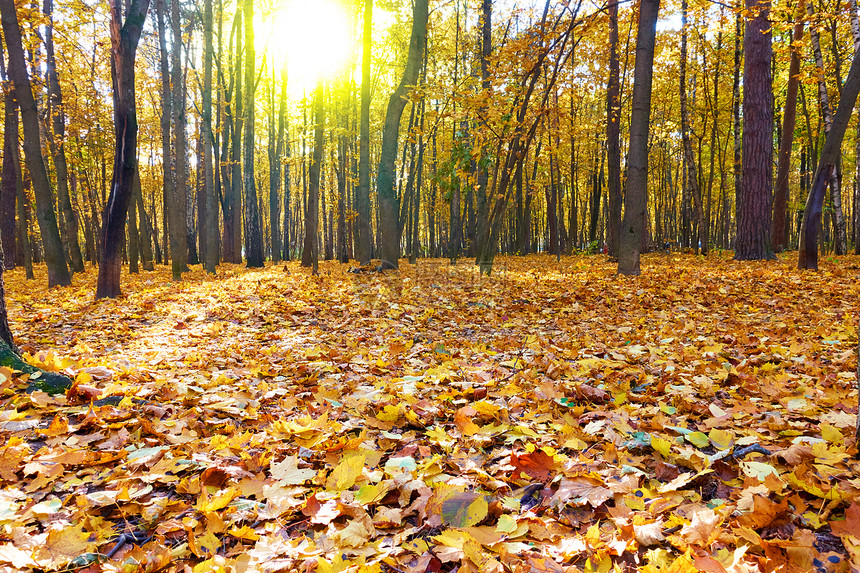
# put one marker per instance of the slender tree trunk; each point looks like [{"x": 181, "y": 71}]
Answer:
[
  {"x": 180, "y": 205},
  {"x": 310, "y": 254},
  {"x": 691, "y": 183},
  {"x": 56, "y": 139},
  {"x": 233, "y": 207},
  {"x": 254, "y": 237},
  {"x": 855, "y": 32},
  {"x": 633, "y": 227},
  {"x": 754, "y": 210},
  {"x": 10, "y": 176},
  {"x": 58, "y": 272},
  {"x": 390, "y": 247},
  {"x": 209, "y": 218},
  {"x": 144, "y": 230},
  {"x": 124, "y": 39},
  {"x": 613, "y": 133},
  {"x": 362, "y": 198},
  {"x": 779, "y": 230},
  {"x": 808, "y": 251},
  {"x": 736, "y": 109},
  {"x": 841, "y": 240},
  {"x": 275, "y": 168},
  {"x": 482, "y": 176},
  {"x": 133, "y": 236},
  {"x": 170, "y": 212}
]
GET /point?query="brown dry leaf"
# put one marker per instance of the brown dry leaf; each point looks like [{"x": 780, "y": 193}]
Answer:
[{"x": 581, "y": 490}]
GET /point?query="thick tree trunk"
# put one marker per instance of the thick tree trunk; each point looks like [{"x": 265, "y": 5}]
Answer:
[
  {"x": 779, "y": 230},
  {"x": 389, "y": 250},
  {"x": 808, "y": 251},
  {"x": 277, "y": 150},
  {"x": 633, "y": 226},
  {"x": 124, "y": 39},
  {"x": 310, "y": 254},
  {"x": 754, "y": 210},
  {"x": 58, "y": 272}
]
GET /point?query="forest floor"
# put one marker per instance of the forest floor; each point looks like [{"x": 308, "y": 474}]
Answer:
[{"x": 551, "y": 418}]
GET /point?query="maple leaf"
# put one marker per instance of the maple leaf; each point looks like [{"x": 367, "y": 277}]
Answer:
[{"x": 287, "y": 471}]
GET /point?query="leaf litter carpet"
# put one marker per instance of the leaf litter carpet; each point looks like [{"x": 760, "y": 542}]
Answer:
[{"x": 551, "y": 418}]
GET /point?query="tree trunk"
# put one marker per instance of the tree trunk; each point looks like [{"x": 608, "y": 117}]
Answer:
[
  {"x": 58, "y": 272},
  {"x": 11, "y": 176},
  {"x": 144, "y": 231},
  {"x": 233, "y": 202},
  {"x": 170, "y": 214},
  {"x": 124, "y": 39},
  {"x": 56, "y": 139},
  {"x": 736, "y": 111},
  {"x": 362, "y": 197},
  {"x": 841, "y": 240},
  {"x": 210, "y": 217},
  {"x": 310, "y": 254},
  {"x": 754, "y": 210},
  {"x": 636, "y": 194},
  {"x": 133, "y": 236},
  {"x": 389, "y": 250},
  {"x": 277, "y": 150},
  {"x": 691, "y": 183},
  {"x": 254, "y": 236},
  {"x": 808, "y": 251},
  {"x": 779, "y": 230},
  {"x": 180, "y": 205},
  {"x": 855, "y": 32},
  {"x": 613, "y": 133}
]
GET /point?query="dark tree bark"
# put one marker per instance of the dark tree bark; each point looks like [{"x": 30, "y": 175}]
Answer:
[
  {"x": 10, "y": 177},
  {"x": 389, "y": 249},
  {"x": 232, "y": 241},
  {"x": 691, "y": 183},
  {"x": 144, "y": 230},
  {"x": 276, "y": 150},
  {"x": 209, "y": 219},
  {"x": 754, "y": 209},
  {"x": 310, "y": 254},
  {"x": 58, "y": 272},
  {"x": 779, "y": 228},
  {"x": 171, "y": 213},
  {"x": 633, "y": 227},
  {"x": 124, "y": 38},
  {"x": 613, "y": 133},
  {"x": 253, "y": 231},
  {"x": 808, "y": 251},
  {"x": 362, "y": 197},
  {"x": 482, "y": 176},
  {"x": 133, "y": 237},
  {"x": 56, "y": 139},
  {"x": 180, "y": 205}
]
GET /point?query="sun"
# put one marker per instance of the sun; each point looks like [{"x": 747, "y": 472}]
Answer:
[{"x": 313, "y": 38}]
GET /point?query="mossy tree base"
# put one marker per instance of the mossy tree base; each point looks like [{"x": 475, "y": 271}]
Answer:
[{"x": 49, "y": 382}]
